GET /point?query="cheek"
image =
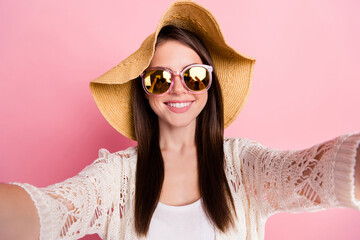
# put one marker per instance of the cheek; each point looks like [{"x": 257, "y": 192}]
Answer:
[
  {"x": 203, "y": 99},
  {"x": 155, "y": 104}
]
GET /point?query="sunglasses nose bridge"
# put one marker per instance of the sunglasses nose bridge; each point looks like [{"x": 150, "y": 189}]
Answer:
[
  {"x": 176, "y": 73},
  {"x": 177, "y": 86}
]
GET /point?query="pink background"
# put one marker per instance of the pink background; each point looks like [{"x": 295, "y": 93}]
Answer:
[{"x": 305, "y": 87}]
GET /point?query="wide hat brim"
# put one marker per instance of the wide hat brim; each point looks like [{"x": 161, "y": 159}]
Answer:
[{"x": 113, "y": 90}]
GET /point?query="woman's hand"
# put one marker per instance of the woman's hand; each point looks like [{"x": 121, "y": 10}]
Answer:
[{"x": 18, "y": 214}]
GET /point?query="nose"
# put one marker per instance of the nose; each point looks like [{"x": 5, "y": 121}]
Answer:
[{"x": 177, "y": 88}]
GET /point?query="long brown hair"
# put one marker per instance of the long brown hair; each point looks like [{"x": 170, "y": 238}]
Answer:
[{"x": 209, "y": 137}]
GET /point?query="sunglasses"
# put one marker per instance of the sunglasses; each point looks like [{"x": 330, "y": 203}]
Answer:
[{"x": 196, "y": 78}]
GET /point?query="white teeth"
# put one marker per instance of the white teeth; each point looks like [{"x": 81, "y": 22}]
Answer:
[{"x": 179, "y": 105}]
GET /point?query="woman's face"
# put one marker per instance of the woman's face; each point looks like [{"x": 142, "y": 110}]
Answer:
[{"x": 176, "y": 56}]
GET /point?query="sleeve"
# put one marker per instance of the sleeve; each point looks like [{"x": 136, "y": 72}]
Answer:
[
  {"x": 312, "y": 179},
  {"x": 78, "y": 205}
]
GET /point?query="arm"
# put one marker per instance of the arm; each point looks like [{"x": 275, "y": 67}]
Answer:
[
  {"x": 17, "y": 211},
  {"x": 67, "y": 210},
  {"x": 311, "y": 179}
]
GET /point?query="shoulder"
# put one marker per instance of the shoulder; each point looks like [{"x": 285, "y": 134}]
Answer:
[
  {"x": 243, "y": 147},
  {"x": 238, "y": 142},
  {"x": 109, "y": 164},
  {"x": 114, "y": 162},
  {"x": 128, "y": 153}
]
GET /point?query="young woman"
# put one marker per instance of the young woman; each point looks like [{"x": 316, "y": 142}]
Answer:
[{"x": 174, "y": 96}]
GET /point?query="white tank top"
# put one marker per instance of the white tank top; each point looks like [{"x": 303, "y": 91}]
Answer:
[{"x": 188, "y": 222}]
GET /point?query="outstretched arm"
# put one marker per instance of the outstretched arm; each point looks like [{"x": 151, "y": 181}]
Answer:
[
  {"x": 67, "y": 210},
  {"x": 18, "y": 215},
  {"x": 315, "y": 178}
]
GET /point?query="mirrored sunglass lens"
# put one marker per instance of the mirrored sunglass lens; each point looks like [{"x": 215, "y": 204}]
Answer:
[
  {"x": 157, "y": 81},
  {"x": 197, "y": 78}
]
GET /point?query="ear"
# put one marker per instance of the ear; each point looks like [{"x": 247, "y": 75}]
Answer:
[{"x": 146, "y": 95}]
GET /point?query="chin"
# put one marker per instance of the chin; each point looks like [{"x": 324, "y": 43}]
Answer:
[{"x": 180, "y": 123}]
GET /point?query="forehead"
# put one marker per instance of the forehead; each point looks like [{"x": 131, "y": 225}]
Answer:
[{"x": 174, "y": 55}]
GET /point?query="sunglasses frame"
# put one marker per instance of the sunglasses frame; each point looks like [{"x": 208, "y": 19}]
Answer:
[{"x": 181, "y": 75}]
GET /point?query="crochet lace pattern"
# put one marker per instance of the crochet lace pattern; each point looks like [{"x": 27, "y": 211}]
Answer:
[{"x": 263, "y": 181}]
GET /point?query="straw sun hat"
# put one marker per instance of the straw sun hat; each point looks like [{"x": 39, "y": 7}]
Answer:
[{"x": 113, "y": 90}]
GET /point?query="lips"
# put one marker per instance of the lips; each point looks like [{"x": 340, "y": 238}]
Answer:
[{"x": 179, "y": 106}]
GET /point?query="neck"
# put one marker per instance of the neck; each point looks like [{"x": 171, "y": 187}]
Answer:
[{"x": 176, "y": 139}]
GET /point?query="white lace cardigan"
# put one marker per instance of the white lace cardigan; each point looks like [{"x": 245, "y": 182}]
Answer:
[{"x": 263, "y": 181}]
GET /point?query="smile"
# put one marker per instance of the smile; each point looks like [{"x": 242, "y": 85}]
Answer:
[{"x": 178, "y": 105}]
